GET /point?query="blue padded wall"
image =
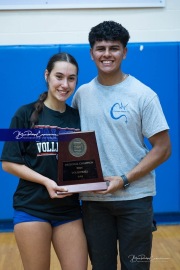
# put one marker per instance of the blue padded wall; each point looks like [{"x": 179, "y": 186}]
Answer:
[
  {"x": 156, "y": 64},
  {"x": 22, "y": 81}
]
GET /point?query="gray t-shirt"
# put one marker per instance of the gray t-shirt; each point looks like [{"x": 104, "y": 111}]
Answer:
[{"x": 122, "y": 116}]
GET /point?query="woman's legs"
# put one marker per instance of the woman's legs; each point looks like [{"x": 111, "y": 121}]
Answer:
[
  {"x": 34, "y": 243},
  {"x": 69, "y": 242}
]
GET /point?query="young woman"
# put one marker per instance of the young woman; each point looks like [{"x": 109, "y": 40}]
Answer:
[{"x": 42, "y": 216}]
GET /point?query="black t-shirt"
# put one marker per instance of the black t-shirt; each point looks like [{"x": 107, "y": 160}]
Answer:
[{"x": 31, "y": 197}]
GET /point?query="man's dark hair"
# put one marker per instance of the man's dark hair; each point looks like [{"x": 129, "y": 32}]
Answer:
[{"x": 108, "y": 31}]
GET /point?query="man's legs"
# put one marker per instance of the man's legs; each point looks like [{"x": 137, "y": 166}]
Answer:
[
  {"x": 128, "y": 221},
  {"x": 101, "y": 233},
  {"x": 135, "y": 234}
]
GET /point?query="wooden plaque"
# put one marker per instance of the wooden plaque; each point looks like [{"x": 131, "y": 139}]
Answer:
[{"x": 79, "y": 167}]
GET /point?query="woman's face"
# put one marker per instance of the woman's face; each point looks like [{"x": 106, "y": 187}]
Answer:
[{"x": 61, "y": 81}]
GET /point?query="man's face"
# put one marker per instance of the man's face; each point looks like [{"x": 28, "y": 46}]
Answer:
[{"x": 108, "y": 56}]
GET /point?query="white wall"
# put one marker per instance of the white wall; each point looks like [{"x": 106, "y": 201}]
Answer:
[{"x": 71, "y": 26}]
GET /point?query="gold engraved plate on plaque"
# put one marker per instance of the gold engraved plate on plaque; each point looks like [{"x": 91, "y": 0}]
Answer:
[{"x": 77, "y": 147}]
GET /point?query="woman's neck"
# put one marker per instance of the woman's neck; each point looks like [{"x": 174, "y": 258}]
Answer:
[{"x": 60, "y": 106}]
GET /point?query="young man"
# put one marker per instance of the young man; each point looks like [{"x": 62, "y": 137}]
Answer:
[{"x": 122, "y": 111}]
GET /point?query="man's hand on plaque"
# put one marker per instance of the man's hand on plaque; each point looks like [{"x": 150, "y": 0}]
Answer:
[{"x": 114, "y": 184}]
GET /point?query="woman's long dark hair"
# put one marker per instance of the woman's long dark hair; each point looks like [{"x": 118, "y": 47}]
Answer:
[{"x": 59, "y": 57}]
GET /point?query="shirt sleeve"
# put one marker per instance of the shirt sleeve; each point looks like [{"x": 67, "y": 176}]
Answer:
[
  {"x": 74, "y": 101},
  {"x": 153, "y": 120},
  {"x": 13, "y": 151}
]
